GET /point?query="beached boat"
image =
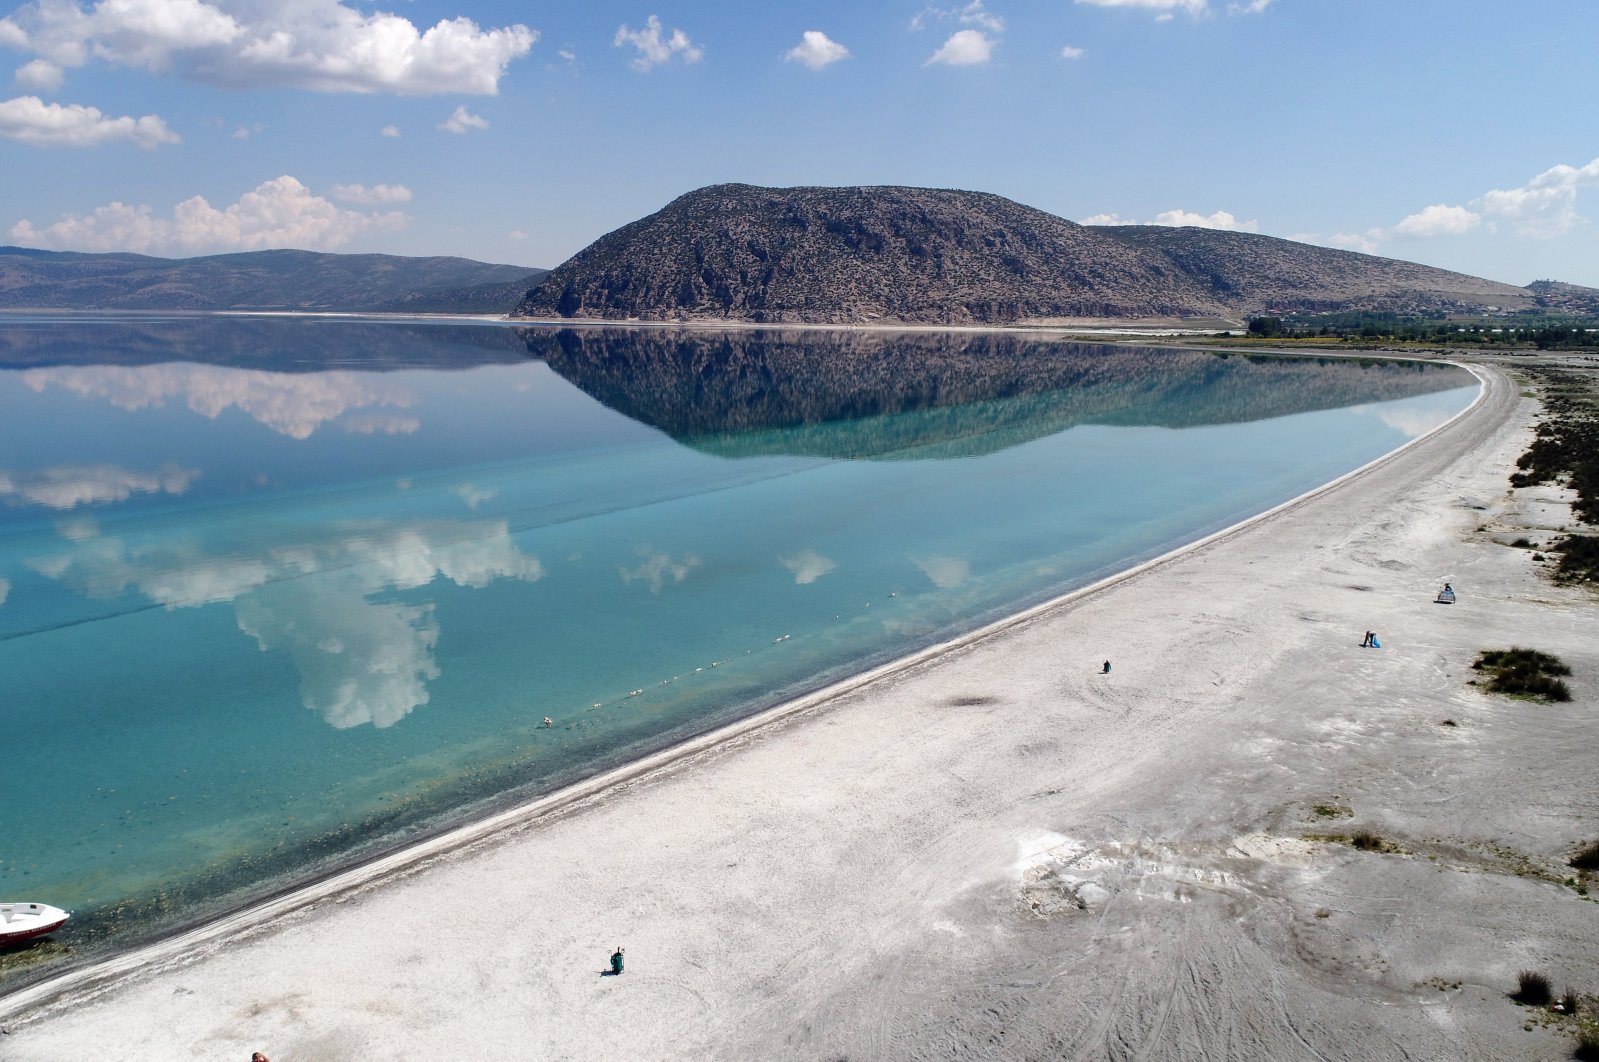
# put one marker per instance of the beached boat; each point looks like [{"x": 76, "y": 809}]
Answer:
[{"x": 24, "y": 921}]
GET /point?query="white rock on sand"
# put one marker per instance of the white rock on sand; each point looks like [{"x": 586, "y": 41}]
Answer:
[{"x": 1002, "y": 853}]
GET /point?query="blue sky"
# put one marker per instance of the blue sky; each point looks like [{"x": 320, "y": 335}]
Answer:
[{"x": 1461, "y": 133}]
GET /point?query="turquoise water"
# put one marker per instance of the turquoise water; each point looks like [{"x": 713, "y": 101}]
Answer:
[{"x": 276, "y": 594}]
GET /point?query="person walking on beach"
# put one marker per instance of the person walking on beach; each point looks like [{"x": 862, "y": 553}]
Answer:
[
  {"x": 1365, "y": 643},
  {"x": 1107, "y": 668},
  {"x": 616, "y": 962}
]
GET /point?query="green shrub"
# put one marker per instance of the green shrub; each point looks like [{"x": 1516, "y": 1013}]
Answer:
[
  {"x": 1524, "y": 673},
  {"x": 1587, "y": 857}
]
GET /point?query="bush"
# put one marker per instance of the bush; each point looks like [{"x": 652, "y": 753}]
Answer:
[
  {"x": 1587, "y": 857},
  {"x": 1532, "y": 988},
  {"x": 1587, "y": 1044},
  {"x": 1366, "y": 841},
  {"x": 1524, "y": 673},
  {"x": 1579, "y": 558},
  {"x": 1569, "y": 1001}
]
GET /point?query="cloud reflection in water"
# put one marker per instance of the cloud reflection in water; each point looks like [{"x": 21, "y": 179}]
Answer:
[
  {"x": 360, "y": 661},
  {"x": 292, "y": 404}
]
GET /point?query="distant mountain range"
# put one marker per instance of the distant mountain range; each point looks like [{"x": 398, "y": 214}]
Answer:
[
  {"x": 935, "y": 256},
  {"x": 259, "y": 280}
]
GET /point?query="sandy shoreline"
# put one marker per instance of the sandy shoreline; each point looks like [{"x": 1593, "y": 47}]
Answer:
[{"x": 993, "y": 851}]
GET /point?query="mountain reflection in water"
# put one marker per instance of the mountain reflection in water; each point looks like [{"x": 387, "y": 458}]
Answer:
[{"x": 898, "y": 396}]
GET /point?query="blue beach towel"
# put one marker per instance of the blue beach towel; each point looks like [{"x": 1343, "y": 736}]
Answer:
[{"x": 1375, "y": 644}]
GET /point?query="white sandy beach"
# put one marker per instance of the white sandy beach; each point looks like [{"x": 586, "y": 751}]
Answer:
[{"x": 1000, "y": 852}]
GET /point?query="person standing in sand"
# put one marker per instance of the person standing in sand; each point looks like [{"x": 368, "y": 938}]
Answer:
[
  {"x": 1107, "y": 668},
  {"x": 616, "y": 962}
]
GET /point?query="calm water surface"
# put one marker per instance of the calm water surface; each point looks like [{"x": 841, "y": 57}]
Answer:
[{"x": 278, "y": 593}]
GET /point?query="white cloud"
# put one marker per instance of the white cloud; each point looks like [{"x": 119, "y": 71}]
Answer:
[
  {"x": 1221, "y": 219},
  {"x": 319, "y": 45},
  {"x": 568, "y": 54},
  {"x": 292, "y": 404},
  {"x": 360, "y": 661},
  {"x": 39, "y": 75},
  {"x": 1072, "y": 52},
  {"x": 946, "y": 573},
  {"x": 1167, "y": 7},
  {"x": 964, "y": 48},
  {"x": 816, "y": 50},
  {"x": 807, "y": 566},
  {"x": 279, "y": 213},
  {"x": 245, "y": 132},
  {"x": 377, "y": 193},
  {"x": 1438, "y": 220},
  {"x": 652, "y": 49},
  {"x": 1545, "y": 206},
  {"x": 463, "y": 121},
  {"x": 973, "y": 14},
  {"x": 1248, "y": 7},
  {"x": 517, "y": 234},
  {"x": 392, "y": 131},
  {"x": 33, "y": 121},
  {"x": 656, "y": 568},
  {"x": 69, "y": 486}
]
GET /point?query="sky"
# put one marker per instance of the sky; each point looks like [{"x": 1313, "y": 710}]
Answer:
[{"x": 1459, "y": 133}]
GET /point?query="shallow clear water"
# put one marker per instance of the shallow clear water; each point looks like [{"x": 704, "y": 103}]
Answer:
[{"x": 274, "y": 593}]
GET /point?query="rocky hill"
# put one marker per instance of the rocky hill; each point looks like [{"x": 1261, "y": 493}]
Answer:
[
  {"x": 920, "y": 255},
  {"x": 258, "y": 280}
]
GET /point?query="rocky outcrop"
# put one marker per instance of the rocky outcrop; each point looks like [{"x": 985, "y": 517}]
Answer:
[{"x": 933, "y": 256}]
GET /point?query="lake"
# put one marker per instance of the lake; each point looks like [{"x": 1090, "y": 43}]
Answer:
[{"x": 278, "y": 593}]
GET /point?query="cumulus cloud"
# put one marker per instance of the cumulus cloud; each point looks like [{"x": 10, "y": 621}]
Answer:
[
  {"x": 245, "y": 132},
  {"x": 360, "y": 661},
  {"x": 392, "y": 131},
  {"x": 965, "y": 47},
  {"x": 656, "y": 568},
  {"x": 33, "y": 121},
  {"x": 292, "y": 404},
  {"x": 39, "y": 75},
  {"x": 1438, "y": 220},
  {"x": 1543, "y": 208},
  {"x": 318, "y": 45},
  {"x": 816, "y": 50},
  {"x": 69, "y": 486},
  {"x": 279, "y": 213},
  {"x": 1072, "y": 52},
  {"x": 946, "y": 573},
  {"x": 807, "y": 566},
  {"x": 1221, "y": 219},
  {"x": 653, "y": 48},
  {"x": 463, "y": 121},
  {"x": 1249, "y": 7},
  {"x": 376, "y": 194}
]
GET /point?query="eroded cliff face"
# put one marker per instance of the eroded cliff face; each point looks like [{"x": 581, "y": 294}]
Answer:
[{"x": 936, "y": 256}]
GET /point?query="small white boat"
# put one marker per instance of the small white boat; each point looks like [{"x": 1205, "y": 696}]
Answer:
[{"x": 24, "y": 921}]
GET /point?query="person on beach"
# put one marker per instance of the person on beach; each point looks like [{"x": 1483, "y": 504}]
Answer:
[
  {"x": 616, "y": 962},
  {"x": 257, "y": 1056},
  {"x": 1107, "y": 668},
  {"x": 548, "y": 722},
  {"x": 1365, "y": 643}
]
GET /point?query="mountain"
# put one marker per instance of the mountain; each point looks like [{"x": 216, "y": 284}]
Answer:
[
  {"x": 936, "y": 256},
  {"x": 258, "y": 280},
  {"x": 889, "y": 396}
]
